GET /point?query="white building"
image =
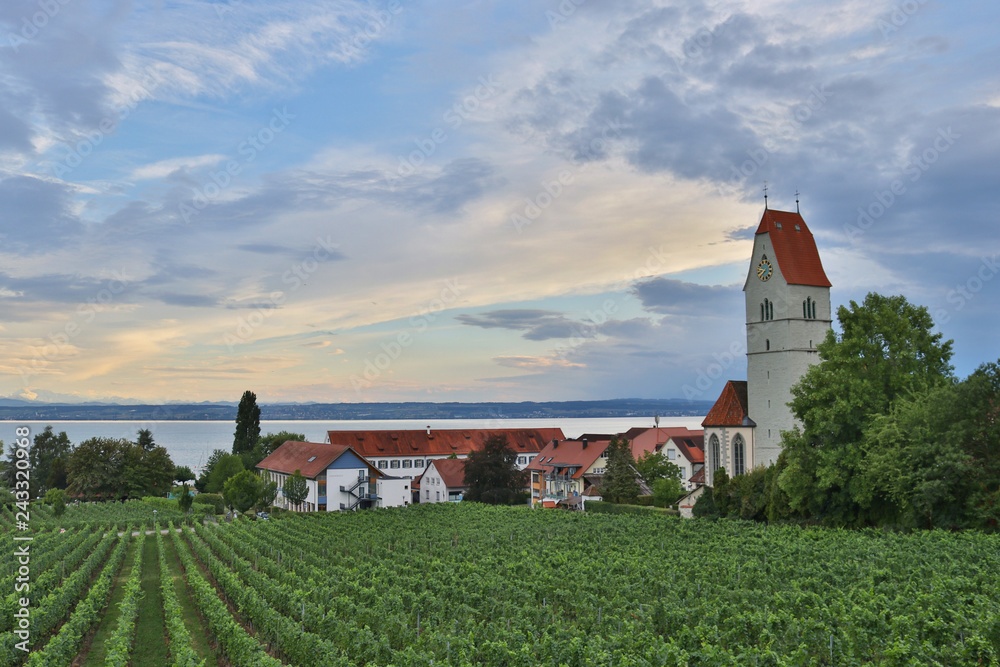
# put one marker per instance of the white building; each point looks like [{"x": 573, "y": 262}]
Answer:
[
  {"x": 443, "y": 481},
  {"x": 788, "y": 313},
  {"x": 337, "y": 477}
]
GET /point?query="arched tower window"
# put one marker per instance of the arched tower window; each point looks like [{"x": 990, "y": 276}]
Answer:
[
  {"x": 813, "y": 308},
  {"x": 770, "y": 311},
  {"x": 767, "y": 344},
  {"x": 762, "y": 318},
  {"x": 739, "y": 455},
  {"x": 713, "y": 455},
  {"x": 805, "y": 311}
]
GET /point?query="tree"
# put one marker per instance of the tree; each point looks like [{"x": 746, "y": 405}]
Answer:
[
  {"x": 206, "y": 472},
  {"x": 57, "y": 478},
  {"x": 296, "y": 489},
  {"x": 492, "y": 475},
  {"x": 229, "y": 465},
  {"x": 147, "y": 472},
  {"x": 242, "y": 491},
  {"x": 183, "y": 474},
  {"x": 619, "y": 483},
  {"x": 268, "y": 492},
  {"x": 145, "y": 439},
  {"x": 47, "y": 449},
  {"x": 57, "y": 499},
  {"x": 185, "y": 499},
  {"x": 886, "y": 352},
  {"x": 667, "y": 491},
  {"x": 654, "y": 465},
  {"x": 247, "y": 424},
  {"x": 95, "y": 468}
]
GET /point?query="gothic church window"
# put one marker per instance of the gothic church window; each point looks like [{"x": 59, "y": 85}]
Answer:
[
  {"x": 713, "y": 454},
  {"x": 739, "y": 455}
]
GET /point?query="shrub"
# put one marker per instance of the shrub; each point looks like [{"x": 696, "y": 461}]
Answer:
[
  {"x": 704, "y": 507},
  {"x": 604, "y": 507},
  {"x": 213, "y": 499},
  {"x": 645, "y": 501}
]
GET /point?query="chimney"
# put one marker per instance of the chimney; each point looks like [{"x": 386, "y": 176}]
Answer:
[
  {"x": 584, "y": 443},
  {"x": 428, "y": 431}
]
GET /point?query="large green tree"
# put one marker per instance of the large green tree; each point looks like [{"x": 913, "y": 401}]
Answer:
[
  {"x": 49, "y": 451},
  {"x": 654, "y": 465},
  {"x": 208, "y": 468},
  {"x": 242, "y": 491},
  {"x": 116, "y": 468},
  {"x": 886, "y": 352},
  {"x": 296, "y": 488},
  {"x": 619, "y": 484},
  {"x": 226, "y": 467},
  {"x": 247, "y": 424},
  {"x": 492, "y": 475}
]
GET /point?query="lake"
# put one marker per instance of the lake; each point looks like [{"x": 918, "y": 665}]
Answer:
[{"x": 190, "y": 442}]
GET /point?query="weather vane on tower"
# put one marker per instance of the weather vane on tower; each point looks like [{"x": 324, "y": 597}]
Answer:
[{"x": 765, "y": 195}]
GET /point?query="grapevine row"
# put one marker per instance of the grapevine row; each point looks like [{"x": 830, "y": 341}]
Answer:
[
  {"x": 119, "y": 644},
  {"x": 239, "y": 647},
  {"x": 62, "y": 648},
  {"x": 181, "y": 653}
]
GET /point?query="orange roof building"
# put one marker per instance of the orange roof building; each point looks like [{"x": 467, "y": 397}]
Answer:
[{"x": 407, "y": 451}]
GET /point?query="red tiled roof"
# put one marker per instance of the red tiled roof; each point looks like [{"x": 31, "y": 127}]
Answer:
[
  {"x": 731, "y": 408},
  {"x": 568, "y": 453},
  {"x": 690, "y": 450},
  {"x": 452, "y": 471},
  {"x": 698, "y": 477},
  {"x": 663, "y": 434},
  {"x": 294, "y": 455},
  {"x": 441, "y": 442},
  {"x": 794, "y": 248}
]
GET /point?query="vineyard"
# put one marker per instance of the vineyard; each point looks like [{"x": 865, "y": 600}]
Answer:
[{"x": 474, "y": 585}]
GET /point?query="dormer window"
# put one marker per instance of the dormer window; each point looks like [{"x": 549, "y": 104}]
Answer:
[
  {"x": 797, "y": 228},
  {"x": 778, "y": 225}
]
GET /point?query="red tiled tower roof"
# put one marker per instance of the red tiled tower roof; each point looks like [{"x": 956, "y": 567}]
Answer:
[
  {"x": 731, "y": 408},
  {"x": 794, "y": 247}
]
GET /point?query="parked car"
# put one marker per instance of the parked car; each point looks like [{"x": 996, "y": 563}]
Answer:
[{"x": 263, "y": 515}]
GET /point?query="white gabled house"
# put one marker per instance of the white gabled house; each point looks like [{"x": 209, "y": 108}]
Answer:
[
  {"x": 338, "y": 478},
  {"x": 443, "y": 481}
]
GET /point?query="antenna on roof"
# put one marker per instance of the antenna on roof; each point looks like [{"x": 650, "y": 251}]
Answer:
[
  {"x": 796, "y": 200},
  {"x": 765, "y": 195}
]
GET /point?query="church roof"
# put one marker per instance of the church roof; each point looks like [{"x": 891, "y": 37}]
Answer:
[
  {"x": 794, "y": 248},
  {"x": 731, "y": 408}
]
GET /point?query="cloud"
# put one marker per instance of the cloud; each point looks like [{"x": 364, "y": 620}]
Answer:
[
  {"x": 164, "y": 168},
  {"x": 676, "y": 297},
  {"x": 536, "y": 324},
  {"x": 535, "y": 363},
  {"x": 37, "y": 215}
]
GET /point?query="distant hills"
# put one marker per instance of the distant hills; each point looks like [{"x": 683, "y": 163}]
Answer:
[{"x": 11, "y": 409}]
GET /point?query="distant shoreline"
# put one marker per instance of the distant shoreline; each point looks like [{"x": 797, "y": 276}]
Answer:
[{"x": 362, "y": 411}]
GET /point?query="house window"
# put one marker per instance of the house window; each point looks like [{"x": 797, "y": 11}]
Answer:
[
  {"x": 522, "y": 460},
  {"x": 604, "y": 455},
  {"x": 438, "y": 496},
  {"x": 322, "y": 488},
  {"x": 739, "y": 455},
  {"x": 428, "y": 496},
  {"x": 382, "y": 465},
  {"x": 418, "y": 463},
  {"x": 393, "y": 464},
  {"x": 684, "y": 474},
  {"x": 407, "y": 463},
  {"x": 671, "y": 454}
]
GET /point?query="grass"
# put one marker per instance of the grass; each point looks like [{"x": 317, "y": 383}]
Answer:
[
  {"x": 199, "y": 640},
  {"x": 97, "y": 653}
]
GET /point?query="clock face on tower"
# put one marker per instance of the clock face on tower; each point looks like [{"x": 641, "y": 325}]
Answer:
[{"x": 764, "y": 269}]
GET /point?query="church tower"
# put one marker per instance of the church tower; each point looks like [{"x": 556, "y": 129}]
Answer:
[{"x": 787, "y": 315}]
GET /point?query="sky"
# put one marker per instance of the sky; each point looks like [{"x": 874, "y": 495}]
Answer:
[{"x": 326, "y": 200}]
